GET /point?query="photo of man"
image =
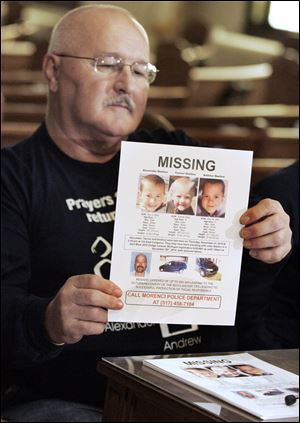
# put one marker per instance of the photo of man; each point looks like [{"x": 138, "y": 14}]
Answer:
[{"x": 140, "y": 264}]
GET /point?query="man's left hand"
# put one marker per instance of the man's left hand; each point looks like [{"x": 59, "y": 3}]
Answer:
[{"x": 267, "y": 232}]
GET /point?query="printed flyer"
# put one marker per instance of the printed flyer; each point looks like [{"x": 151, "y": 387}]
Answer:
[
  {"x": 240, "y": 379},
  {"x": 176, "y": 249}
]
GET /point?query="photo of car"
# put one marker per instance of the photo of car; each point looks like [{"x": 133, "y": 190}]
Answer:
[
  {"x": 173, "y": 266},
  {"x": 206, "y": 267}
]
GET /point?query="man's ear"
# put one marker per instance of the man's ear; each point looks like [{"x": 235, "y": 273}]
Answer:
[{"x": 50, "y": 69}]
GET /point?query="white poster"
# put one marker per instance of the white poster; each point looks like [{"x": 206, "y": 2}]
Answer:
[{"x": 176, "y": 249}]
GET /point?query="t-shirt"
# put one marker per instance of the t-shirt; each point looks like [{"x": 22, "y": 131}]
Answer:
[{"x": 57, "y": 221}]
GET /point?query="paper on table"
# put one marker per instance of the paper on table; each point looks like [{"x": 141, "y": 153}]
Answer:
[{"x": 239, "y": 379}]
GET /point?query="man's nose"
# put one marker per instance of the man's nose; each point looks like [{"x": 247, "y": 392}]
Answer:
[{"x": 124, "y": 80}]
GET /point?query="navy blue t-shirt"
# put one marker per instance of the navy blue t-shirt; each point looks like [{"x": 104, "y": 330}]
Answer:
[{"x": 57, "y": 222}]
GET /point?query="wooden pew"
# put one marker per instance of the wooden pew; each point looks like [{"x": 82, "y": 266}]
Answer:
[
  {"x": 21, "y": 77},
  {"x": 217, "y": 85},
  {"x": 262, "y": 168},
  {"x": 268, "y": 142},
  {"x": 242, "y": 115},
  {"x": 12, "y": 132},
  {"x": 35, "y": 91},
  {"x": 17, "y": 54},
  {"x": 23, "y": 112}
]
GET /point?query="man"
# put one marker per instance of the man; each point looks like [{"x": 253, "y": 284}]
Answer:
[
  {"x": 140, "y": 265},
  {"x": 58, "y": 201}
]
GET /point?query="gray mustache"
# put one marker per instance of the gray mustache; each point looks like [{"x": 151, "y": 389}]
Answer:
[{"x": 122, "y": 99}]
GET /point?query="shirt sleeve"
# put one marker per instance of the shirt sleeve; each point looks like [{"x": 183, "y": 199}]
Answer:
[{"x": 22, "y": 320}]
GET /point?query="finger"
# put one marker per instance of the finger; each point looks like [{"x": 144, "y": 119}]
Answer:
[
  {"x": 93, "y": 297},
  {"x": 270, "y": 255},
  {"x": 99, "y": 283},
  {"x": 81, "y": 328},
  {"x": 262, "y": 209},
  {"x": 272, "y": 240},
  {"x": 90, "y": 314},
  {"x": 266, "y": 226}
]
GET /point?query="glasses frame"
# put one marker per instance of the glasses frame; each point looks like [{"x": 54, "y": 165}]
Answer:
[{"x": 150, "y": 78}]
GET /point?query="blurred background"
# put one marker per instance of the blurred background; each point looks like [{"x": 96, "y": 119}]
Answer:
[{"x": 229, "y": 70}]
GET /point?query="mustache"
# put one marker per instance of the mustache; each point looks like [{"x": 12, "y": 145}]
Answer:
[{"x": 122, "y": 99}]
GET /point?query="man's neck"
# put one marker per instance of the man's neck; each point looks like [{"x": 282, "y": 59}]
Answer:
[{"x": 97, "y": 150}]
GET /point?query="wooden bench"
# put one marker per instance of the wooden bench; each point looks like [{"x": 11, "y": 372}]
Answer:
[
  {"x": 17, "y": 54},
  {"x": 207, "y": 117},
  {"x": 269, "y": 142},
  {"x": 23, "y": 112},
  {"x": 34, "y": 93},
  {"x": 218, "y": 85},
  {"x": 21, "y": 77},
  {"x": 12, "y": 132},
  {"x": 19, "y": 87}
]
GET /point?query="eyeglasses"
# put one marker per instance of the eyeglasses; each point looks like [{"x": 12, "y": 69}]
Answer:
[{"x": 109, "y": 64}]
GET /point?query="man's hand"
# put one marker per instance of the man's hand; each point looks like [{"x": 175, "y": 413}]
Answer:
[
  {"x": 267, "y": 232},
  {"x": 80, "y": 308}
]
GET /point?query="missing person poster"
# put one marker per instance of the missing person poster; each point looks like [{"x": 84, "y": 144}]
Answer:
[{"x": 176, "y": 249}]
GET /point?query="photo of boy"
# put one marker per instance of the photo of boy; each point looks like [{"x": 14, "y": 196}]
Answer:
[
  {"x": 181, "y": 194},
  {"x": 152, "y": 194},
  {"x": 211, "y": 198}
]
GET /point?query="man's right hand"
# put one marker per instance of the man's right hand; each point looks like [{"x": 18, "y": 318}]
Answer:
[{"x": 80, "y": 308}]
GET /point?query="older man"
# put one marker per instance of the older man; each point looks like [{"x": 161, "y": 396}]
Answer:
[
  {"x": 58, "y": 200},
  {"x": 140, "y": 265}
]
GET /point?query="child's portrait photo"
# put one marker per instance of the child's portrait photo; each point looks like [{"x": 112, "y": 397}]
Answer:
[
  {"x": 212, "y": 196},
  {"x": 181, "y": 195},
  {"x": 152, "y": 193}
]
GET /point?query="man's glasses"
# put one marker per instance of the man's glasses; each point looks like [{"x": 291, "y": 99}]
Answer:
[{"x": 109, "y": 64}]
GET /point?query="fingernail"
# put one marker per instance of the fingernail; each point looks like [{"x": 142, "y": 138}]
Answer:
[
  {"x": 247, "y": 244},
  {"x": 120, "y": 303},
  {"x": 117, "y": 292},
  {"x": 244, "y": 219},
  {"x": 253, "y": 253},
  {"x": 244, "y": 234}
]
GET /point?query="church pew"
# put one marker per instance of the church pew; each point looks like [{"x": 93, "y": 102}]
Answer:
[
  {"x": 25, "y": 90},
  {"x": 242, "y": 115},
  {"x": 12, "y": 132},
  {"x": 268, "y": 142},
  {"x": 19, "y": 112}
]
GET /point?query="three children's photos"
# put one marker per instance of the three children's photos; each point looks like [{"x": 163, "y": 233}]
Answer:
[{"x": 182, "y": 195}]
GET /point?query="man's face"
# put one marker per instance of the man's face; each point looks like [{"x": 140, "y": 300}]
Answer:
[
  {"x": 152, "y": 196},
  {"x": 212, "y": 197},
  {"x": 140, "y": 264},
  {"x": 254, "y": 371},
  {"x": 90, "y": 99}
]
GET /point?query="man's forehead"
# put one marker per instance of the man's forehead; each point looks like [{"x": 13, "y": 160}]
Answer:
[{"x": 99, "y": 30}]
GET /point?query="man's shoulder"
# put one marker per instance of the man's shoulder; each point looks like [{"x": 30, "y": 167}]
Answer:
[{"x": 23, "y": 147}]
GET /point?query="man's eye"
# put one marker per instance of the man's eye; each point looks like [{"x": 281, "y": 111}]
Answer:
[
  {"x": 106, "y": 67},
  {"x": 138, "y": 73}
]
